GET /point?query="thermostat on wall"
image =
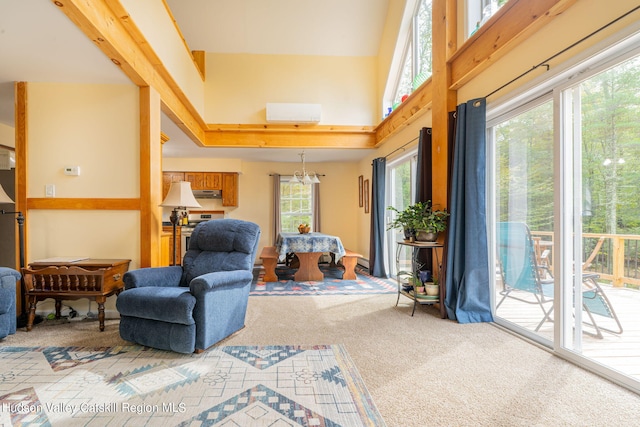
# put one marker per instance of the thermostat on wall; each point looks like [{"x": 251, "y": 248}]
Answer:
[{"x": 72, "y": 170}]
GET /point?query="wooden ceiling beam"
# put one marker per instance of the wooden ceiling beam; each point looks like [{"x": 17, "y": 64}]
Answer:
[
  {"x": 511, "y": 25},
  {"x": 109, "y": 26},
  {"x": 417, "y": 104},
  {"x": 289, "y": 136}
]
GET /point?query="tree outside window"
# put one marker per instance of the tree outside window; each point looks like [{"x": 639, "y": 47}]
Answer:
[
  {"x": 296, "y": 205},
  {"x": 417, "y": 61}
]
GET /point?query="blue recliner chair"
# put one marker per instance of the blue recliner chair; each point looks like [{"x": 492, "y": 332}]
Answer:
[
  {"x": 191, "y": 307},
  {"x": 8, "y": 279}
]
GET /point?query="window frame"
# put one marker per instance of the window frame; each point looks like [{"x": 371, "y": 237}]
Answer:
[
  {"x": 409, "y": 51},
  {"x": 285, "y": 180}
]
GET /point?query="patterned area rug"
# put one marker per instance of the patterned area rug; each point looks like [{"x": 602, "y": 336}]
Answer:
[
  {"x": 224, "y": 386},
  {"x": 332, "y": 284}
]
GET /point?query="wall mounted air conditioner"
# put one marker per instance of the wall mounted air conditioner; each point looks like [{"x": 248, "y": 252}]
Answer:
[{"x": 293, "y": 113}]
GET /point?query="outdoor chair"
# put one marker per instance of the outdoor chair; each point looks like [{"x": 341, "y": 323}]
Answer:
[{"x": 520, "y": 272}]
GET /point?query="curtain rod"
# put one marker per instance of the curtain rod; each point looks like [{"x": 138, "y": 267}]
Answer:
[
  {"x": 402, "y": 146},
  {"x": 544, "y": 63}
]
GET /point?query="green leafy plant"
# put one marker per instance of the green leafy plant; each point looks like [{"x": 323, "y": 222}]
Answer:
[
  {"x": 431, "y": 221},
  {"x": 419, "y": 217}
]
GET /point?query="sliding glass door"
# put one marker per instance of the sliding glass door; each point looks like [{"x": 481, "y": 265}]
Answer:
[
  {"x": 565, "y": 211},
  {"x": 401, "y": 174},
  {"x": 600, "y": 132},
  {"x": 524, "y": 206}
]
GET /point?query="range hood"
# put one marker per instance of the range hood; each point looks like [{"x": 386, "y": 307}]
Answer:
[{"x": 207, "y": 194}]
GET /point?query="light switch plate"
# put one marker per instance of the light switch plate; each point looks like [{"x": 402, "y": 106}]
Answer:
[{"x": 50, "y": 190}]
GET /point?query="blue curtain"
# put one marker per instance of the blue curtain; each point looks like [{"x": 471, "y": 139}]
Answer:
[
  {"x": 424, "y": 180},
  {"x": 467, "y": 297},
  {"x": 376, "y": 246}
]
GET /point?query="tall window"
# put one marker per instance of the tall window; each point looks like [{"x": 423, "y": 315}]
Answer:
[
  {"x": 296, "y": 205},
  {"x": 479, "y": 12},
  {"x": 415, "y": 66}
]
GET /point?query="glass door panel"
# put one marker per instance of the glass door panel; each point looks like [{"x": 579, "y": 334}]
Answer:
[
  {"x": 400, "y": 179},
  {"x": 524, "y": 212},
  {"x": 601, "y": 129}
]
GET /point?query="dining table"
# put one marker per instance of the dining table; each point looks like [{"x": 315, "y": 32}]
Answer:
[{"x": 308, "y": 247}]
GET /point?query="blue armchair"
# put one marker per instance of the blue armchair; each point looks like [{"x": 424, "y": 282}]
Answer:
[
  {"x": 191, "y": 307},
  {"x": 8, "y": 279}
]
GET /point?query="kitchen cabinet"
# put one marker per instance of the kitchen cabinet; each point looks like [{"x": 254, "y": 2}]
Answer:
[
  {"x": 169, "y": 229},
  {"x": 225, "y": 181},
  {"x": 196, "y": 179},
  {"x": 168, "y": 178},
  {"x": 204, "y": 180},
  {"x": 212, "y": 181},
  {"x": 229, "y": 189}
]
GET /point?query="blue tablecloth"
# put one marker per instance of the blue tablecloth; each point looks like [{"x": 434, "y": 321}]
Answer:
[{"x": 310, "y": 242}]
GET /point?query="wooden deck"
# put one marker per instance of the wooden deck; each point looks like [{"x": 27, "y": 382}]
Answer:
[{"x": 620, "y": 352}]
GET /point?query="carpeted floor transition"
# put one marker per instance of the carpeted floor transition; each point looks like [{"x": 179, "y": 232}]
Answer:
[{"x": 231, "y": 386}]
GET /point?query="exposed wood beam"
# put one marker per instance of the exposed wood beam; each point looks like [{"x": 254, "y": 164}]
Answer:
[
  {"x": 83, "y": 204},
  {"x": 21, "y": 124},
  {"x": 200, "y": 61},
  {"x": 109, "y": 26},
  {"x": 417, "y": 104},
  {"x": 289, "y": 136},
  {"x": 444, "y": 99},
  {"x": 512, "y": 24},
  {"x": 164, "y": 137},
  {"x": 150, "y": 178}
]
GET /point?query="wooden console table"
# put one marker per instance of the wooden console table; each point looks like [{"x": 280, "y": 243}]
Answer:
[{"x": 60, "y": 280}]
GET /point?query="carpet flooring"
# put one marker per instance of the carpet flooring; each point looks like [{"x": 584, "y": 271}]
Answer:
[
  {"x": 332, "y": 284},
  {"x": 225, "y": 386}
]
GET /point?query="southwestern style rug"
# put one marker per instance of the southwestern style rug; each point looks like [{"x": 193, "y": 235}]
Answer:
[
  {"x": 224, "y": 386},
  {"x": 332, "y": 284}
]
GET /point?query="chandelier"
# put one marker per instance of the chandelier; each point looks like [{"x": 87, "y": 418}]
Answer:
[{"x": 304, "y": 177}]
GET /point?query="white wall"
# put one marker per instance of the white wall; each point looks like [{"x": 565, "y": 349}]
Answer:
[{"x": 239, "y": 86}]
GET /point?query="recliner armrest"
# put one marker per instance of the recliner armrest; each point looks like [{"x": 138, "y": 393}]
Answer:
[
  {"x": 153, "y": 276},
  {"x": 217, "y": 279},
  {"x": 8, "y": 278}
]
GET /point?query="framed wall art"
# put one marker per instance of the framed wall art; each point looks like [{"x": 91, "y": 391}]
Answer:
[
  {"x": 360, "y": 194},
  {"x": 365, "y": 191}
]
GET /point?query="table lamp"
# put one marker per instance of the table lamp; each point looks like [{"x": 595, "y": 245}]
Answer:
[
  {"x": 5, "y": 199},
  {"x": 179, "y": 196}
]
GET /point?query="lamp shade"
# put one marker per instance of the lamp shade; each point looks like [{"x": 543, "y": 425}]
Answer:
[
  {"x": 180, "y": 196},
  {"x": 4, "y": 197}
]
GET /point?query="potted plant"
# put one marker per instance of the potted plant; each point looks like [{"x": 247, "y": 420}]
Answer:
[
  {"x": 430, "y": 222},
  {"x": 432, "y": 288},
  {"x": 404, "y": 221},
  {"x": 420, "y": 220}
]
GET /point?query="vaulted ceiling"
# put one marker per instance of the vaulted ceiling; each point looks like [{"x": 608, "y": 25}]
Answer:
[{"x": 40, "y": 44}]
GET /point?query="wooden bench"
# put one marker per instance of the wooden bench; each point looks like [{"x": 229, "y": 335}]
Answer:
[
  {"x": 269, "y": 258},
  {"x": 349, "y": 261}
]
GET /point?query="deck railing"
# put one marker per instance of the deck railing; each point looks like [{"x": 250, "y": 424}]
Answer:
[{"x": 618, "y": 259}]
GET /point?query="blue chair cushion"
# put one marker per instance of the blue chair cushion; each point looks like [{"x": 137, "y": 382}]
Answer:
[
  {"x": 6, "y": 300},
  {"x": 166, "y": 304}
]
